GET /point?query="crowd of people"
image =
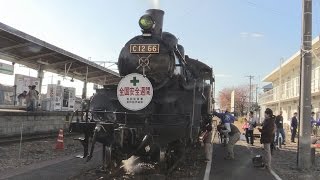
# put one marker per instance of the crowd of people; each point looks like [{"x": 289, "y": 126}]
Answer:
[
  {"x": 315, "y": 126},
  {"x": 273, "y": 132},
  {"x": 30, "y": 97}
]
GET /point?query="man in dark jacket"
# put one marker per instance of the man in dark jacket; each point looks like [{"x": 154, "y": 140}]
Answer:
[
  {"x": 279, "y": 124},
  {"x": 267, "y": 134},
  {"x": 294, "y": 126}
]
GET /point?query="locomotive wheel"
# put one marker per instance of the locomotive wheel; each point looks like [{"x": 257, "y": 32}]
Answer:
[
  {"x": 163, "y": 160},
  {"x": 170, "y": 158},
  {"x": 176, "y": 155},
  {"x": 155, "y": 153}
]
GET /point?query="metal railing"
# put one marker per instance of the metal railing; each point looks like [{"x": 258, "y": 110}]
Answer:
[
  {"x": 288, "y": 90},
  {"x": 93, "y": 117}
]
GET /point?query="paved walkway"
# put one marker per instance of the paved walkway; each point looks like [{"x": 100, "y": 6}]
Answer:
[
  {"x": 239, "y": 169},
  {"x": 57, "y": 169}
]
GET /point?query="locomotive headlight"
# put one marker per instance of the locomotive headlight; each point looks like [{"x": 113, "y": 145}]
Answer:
[{"x": 146, "y": 22}]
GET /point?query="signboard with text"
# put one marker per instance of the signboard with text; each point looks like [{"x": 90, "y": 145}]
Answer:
[
  {"x": 22, "y": 82},
  {"x": 6, "y": 69},
  {"x": 144, "y": 48},
  {"x": 134, "y": 92}
]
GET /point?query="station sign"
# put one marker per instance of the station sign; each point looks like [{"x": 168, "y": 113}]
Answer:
[
  {"x": 6, "y": 69},
  {"x": 134, "y": 92}
]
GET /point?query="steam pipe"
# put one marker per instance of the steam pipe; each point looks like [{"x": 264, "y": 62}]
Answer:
[{"x": 157, "y": 16}]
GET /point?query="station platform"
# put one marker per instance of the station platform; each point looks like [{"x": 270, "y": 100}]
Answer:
[
  {"x": 241, "y": 168},
  {"x": 14, "y": 122}
]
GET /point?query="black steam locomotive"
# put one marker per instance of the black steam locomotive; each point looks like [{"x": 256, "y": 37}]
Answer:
[{"x": 121, "y": 117}]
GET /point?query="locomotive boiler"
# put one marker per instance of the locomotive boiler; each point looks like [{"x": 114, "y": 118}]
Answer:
[{"x": 158, "y": 107}]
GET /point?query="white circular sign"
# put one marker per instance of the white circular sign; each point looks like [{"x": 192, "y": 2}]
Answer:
[{"x": 134, "y": 92}]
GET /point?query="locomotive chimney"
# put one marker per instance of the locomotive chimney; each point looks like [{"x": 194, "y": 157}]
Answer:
[{"x": 157, "y": 16}]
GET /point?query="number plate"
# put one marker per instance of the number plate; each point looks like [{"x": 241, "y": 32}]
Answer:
[{"x": 144, "y": 48}]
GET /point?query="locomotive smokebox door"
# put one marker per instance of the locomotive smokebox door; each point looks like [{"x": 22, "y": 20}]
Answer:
[{"x": 134, "y": 92}]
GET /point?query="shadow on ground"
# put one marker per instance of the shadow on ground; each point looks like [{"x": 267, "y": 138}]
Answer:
[{"x": 283, "y": 163}]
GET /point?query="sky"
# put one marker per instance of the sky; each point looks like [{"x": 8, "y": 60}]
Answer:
[{"x": 237, "y": 38}]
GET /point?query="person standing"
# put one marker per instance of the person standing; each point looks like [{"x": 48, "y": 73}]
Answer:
[
  {"x": 245, "y": 128},
  {"x": 226, "y": 119},
  {"x": 22, "y": 96},
  {"x": 317, "y": 126},
  {"x": 28, "y": 100},
  {"x": 294, "y": 126},
  {"x": 313, "y": 124},
  {"x": 32, "y": 97},
  {"x": 207, "y": 141},
  {"x": 234, "y": 135},
  {"x": 280, "y": 130},
  {"x": 252, "y": 124},
  {"x": 267, "y": 132},
  {"x": 36, "y": 96}
]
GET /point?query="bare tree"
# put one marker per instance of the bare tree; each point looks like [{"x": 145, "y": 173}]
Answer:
[
  {"x": 225, "y": 98},
  {"x": 240, "y": 99}
]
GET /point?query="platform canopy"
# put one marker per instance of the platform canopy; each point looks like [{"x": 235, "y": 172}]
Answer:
[{"x": 21, "y": 48}]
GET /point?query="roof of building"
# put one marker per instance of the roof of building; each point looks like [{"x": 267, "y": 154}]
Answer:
[
  {"x": 268, "y": 86},
  {"x": 293, "y": 61},
  {"x": 21, "y": 48}
]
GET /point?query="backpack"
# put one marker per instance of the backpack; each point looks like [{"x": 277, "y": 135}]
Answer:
[
  {"x": 228, "y": 118},
  {"x": 257, "y": 161}
]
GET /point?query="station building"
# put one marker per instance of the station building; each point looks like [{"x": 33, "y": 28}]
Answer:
[
  {"x": 19, "y": 48},
  {"x": 284, "y": 89}
]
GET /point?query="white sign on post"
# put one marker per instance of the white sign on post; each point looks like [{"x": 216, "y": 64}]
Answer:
[{"x": 134, "y": 92}]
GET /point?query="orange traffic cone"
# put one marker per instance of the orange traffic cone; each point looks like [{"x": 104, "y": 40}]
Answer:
[{"x": 60, "y": 144}]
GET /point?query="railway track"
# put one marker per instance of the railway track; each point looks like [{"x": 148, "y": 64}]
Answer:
[
  {"x": 193, "y": 165},
  {"x": 33, "y": 137}
]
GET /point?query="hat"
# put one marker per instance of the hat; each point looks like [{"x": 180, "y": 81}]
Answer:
[{"x": 268, "y": 111}]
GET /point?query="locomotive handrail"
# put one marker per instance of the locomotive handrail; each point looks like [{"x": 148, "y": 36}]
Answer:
[
  {"x": 130, "y": 113},
  {"x": 150, "y": 123}
]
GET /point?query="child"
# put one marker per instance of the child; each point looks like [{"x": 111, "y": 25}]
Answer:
[{"x": 245, "y": 127}]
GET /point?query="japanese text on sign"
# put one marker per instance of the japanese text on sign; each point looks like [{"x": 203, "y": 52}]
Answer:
[
  {"x": 134, "y": 92},
  {"x": 126, "y": 91}
]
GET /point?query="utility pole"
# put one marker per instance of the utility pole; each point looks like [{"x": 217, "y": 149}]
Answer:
[
  {"x": 250, "y": 92},
  {"x": 280, "y": 86},
  {"x": 257, "y": 93},
  {"x": 304, "y": 149}
]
